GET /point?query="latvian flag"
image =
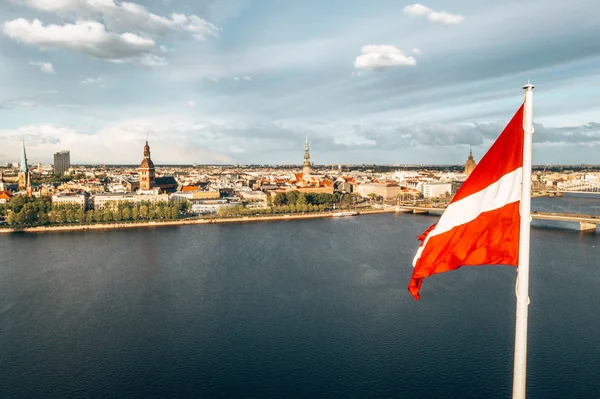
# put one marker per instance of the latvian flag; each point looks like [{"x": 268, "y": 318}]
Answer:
[{"x": 481, "y": 224}]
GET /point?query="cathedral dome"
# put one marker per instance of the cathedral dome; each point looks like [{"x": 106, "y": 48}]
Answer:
[{"x": 147, "y": 164}]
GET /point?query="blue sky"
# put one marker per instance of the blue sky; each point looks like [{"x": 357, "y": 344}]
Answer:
[{"x": 243, "y": 81}]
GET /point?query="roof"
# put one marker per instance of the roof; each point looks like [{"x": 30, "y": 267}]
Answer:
[
  {"x": 165, "y": 180},
  {"x": 187, "y": 189},
  {"x": 5, "y": 194},
  {"x": 147, "y": 163}
]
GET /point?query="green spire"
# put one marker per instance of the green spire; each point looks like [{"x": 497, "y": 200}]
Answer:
[{"x": 24, "y": 159}]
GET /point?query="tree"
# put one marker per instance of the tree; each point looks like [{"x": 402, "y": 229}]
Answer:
[
  {"x": 98, "y": 215},
  {"x": 61, "y": 216},
  {"x": 280, "y": 199},
  {"x": 135, "y": 213},
  {"x": 143, "y": 212},
  {"x": 174, "y": 213},
  {"x": 372, "y": 196},
  {"x": 107, "y": 216},
  {"x": 89, "y": 216},
  {"x": 301, "y": 201},
  {"x": 80, "y": 215},
  {"x": 292, "y": 197},
  {"x": 126, "y": 214}
]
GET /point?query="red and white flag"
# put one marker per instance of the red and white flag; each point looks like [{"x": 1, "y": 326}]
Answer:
[{"x": 481, "y": 224}]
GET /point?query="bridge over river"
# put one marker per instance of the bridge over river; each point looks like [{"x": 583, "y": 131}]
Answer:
[{"x": 586, "y": 222}]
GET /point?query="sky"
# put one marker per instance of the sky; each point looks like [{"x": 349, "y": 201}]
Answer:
[{"x": 244, "y": 81}]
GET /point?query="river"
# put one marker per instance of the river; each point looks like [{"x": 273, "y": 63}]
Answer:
[{"x": 315, "y": 308}]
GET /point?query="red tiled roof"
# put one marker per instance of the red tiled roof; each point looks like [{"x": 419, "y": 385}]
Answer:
[{"x": 187, "y": 189}]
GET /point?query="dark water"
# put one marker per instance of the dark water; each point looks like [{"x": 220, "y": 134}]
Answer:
[{"x": 288, "y": 309}]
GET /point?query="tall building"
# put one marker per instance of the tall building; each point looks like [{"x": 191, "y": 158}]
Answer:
[
  {"x": 146, "y": 173},
  {"x": 62, "y": 162},
  {"x": 470, "y": 164},
  {"x": 2, "y": 182},
  {"x": 306, "y": 165},
  {"x": 24, "y": 176}
]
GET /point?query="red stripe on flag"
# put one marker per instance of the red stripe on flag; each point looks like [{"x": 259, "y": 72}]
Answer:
[
  {"x": 491, "y": 239},
  {"x": 505, "y": 155}
]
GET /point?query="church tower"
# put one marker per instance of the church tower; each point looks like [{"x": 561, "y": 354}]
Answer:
[
  {"x": 470, "y": 164},
  {"x": 24, "y": 176},
  {"x": 306, "y": 165},
  {"x": 146, "y": 173},
  {"x": 2, "y": 182}
]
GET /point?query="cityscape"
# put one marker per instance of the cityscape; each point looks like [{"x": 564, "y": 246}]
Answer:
[
  {"x": 299, "y": 199},
  {"x": 88, "y": 194}
]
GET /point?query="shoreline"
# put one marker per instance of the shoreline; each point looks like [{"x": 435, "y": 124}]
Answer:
[{"x": 183, "y": 222}]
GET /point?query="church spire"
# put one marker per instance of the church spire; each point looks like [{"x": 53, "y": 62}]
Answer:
[
  {"x": 306, "y": 164},
  {"x": 24, "y": 159}
]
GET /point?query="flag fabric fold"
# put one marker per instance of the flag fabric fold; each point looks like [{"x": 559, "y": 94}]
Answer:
[{"x": 481, "y": 224}]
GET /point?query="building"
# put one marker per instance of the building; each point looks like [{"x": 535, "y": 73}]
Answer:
[
  {"x": 436, "y": 190},
  {"x": 306, "y": 165},
  {"x": 2, "y": 182},
  {"x": 203, "y": 207},
  {"x": 166, "y": 184},
  {"x": 24, "y": 176},
  {"x": 5, "y": 196},
  {"x": 62, "y": 162},
  {"x": 69, "y": 199},
  {"x": 470, "y": 164},
  {"x": 102, "y": 200},
  {"x": 385, "y": 190},
  {"x": 146, "y": 172}
]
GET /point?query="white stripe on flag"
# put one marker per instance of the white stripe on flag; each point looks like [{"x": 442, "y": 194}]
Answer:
[{"x": 502, "y": 192}]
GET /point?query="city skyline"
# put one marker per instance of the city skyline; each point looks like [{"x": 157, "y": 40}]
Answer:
[{"x": 228, "y": 82}]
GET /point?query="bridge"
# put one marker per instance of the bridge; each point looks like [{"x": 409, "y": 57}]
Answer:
[
  {"x": 572, "y": 186},
  {"x": 586, "y": 222}
]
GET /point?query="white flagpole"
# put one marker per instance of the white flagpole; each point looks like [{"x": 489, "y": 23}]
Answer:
[{"x": 520, "y": 370}]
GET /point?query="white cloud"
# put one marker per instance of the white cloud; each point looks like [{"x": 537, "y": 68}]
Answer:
[
  {"x": 86, "y": 37},
  {"x": 127, "y": 16},
  {"x": 442, "y": 17},
  {"x": 120, "y": 142},
  {"x": 191, "y": 103},
  {"x": 416, "y": 51},
  {"x": 381, "y": 56},
  {"x": 91, "y": 80},
  {"x": 242, "y": 77},
  {"x": 153, "y": 60},
  {"x": 45, "y": 67}
]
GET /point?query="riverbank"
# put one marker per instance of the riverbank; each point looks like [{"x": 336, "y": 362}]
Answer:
[{"x": 182, "y": 222}]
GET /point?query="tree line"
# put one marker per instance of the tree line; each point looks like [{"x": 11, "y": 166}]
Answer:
[{"x": 24, "y": 211}]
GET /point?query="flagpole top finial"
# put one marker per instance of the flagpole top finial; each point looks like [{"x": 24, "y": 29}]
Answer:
[{"x": 528, "y": 86}]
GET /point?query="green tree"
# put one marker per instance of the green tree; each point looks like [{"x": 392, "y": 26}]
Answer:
[
  {"x": 89, "y": 216},
  {"x": 280, "y": 199},
  {"x": 143, "y": 212},
  {"x": 135, "y": 213},
  {"x": 80, "y": 215},
  {"x": 99, "y": 215},
  {"x": 107, "y": 215},
  {"x": 292, "y": 197},
  {"x": 60, "y": 216},
  {"x": 174, "y": 213},
  {"x": 126, "y": 213},
  {"x": 301, "y": 201}
]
